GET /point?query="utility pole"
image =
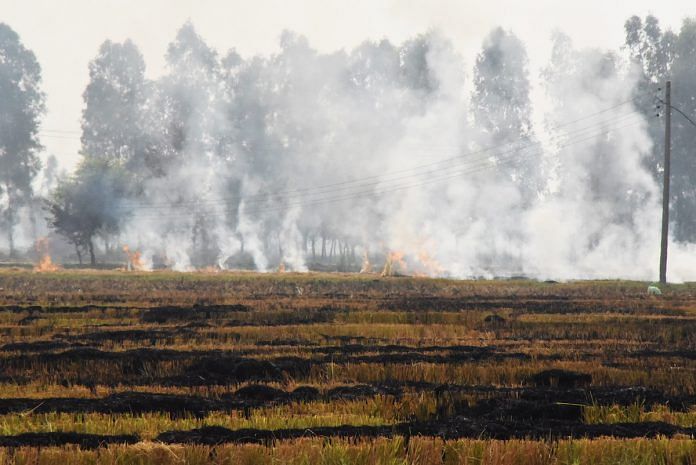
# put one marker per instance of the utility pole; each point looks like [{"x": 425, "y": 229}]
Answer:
[{"x": 665, "y": 183}]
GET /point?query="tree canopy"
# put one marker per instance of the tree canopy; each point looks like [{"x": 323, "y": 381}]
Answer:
[{"x": 21, "y": 107}]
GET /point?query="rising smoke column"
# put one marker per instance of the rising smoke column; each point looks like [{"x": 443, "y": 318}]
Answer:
[
  {"x": 601, "y": 217},
  {"x": 384, "y": 148}
]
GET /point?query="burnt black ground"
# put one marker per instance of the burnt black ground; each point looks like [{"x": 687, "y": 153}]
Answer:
[
  {"x": 492, "y": 403},
  {"x": 85, "y": 441},
  {"x": 453, "y": 429},
  {"x": 456, "y": 428},
  {"x": 97, "y": 335}
]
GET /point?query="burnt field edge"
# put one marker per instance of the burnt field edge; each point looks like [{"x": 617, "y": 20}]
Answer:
[
  {"x": 527, "y": 402},
  {"x": 456, "y": 429}
]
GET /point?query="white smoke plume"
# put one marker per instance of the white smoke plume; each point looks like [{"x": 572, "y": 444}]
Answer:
[{"x": 279, "y": 158}]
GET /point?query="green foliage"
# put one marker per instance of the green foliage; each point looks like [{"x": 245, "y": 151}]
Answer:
[
  {"x": 660, "y": 56},
  {"x": 115, "y": 118},
  {"x": 87, "y": 204},
  {"x": 501, "y": 102},
  {"x": 22, "y": 104}
]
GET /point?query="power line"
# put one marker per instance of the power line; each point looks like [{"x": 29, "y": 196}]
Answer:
[
  {"x": 683, "y": 114},
  {"x": 379, "y": 183},
  {"x": 474, "y": 169},
  {"x": 381, "y": 180},
  {"x": 60, "y": 136},
  {"x": 677, "y": 109},
  {"x": 383, "y": 177},
  {"x": 59, "y": 131},
  {"x": 64, "y": 133},
  {"x": 392, "y": 189},
  {"x": 470, "y": 170}
]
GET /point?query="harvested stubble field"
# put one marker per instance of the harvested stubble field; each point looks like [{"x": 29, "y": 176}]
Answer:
[{"x": 112, "y": 367}]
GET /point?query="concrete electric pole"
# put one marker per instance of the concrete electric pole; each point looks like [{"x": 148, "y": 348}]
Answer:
[{"x": 665, "y": 185}]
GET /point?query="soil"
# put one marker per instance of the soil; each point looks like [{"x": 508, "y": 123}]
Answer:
[
  {"x": 85, "y": 441},
  {"x": 127, "y": 402},
  {"x": 260, "y": 392},
  {"x": 89, "y": 346},
  {"x": 168, "y": 314},
  {"x": 31, "y": 309},
  {"x": 494, "y": 320},
  {"x": 454, "y": 429},
  {"x": 493, "y": 404},
  {"x": 540, "y": 304},
  {"x": 39, "y": 346},
  {"x": 234, "y": 370},
  {"x": 561, "y": 378},
  {"x": 211, "y": 367},
  {"x": 361, "y": 391}
]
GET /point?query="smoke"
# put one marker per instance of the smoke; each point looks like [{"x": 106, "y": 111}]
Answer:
[{"x": 283, "y": 158}]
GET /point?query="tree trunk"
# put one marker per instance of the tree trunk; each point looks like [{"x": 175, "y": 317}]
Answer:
[
  {"x": 32, "y": 220},
  {"x": 79, "y": 254},
  {"x": 10, "y": 220},
  {"x": 10, "y": 234},
  {"x": 314, "y": 251},
  {"x": 323, "y": 247},
  {"x": 92, "y": 258}
]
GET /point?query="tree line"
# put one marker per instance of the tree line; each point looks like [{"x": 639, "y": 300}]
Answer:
[{"x": 218, "y": 145}]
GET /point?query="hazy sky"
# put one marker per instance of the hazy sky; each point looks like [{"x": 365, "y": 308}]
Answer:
[{"x": 65, "y": 34}]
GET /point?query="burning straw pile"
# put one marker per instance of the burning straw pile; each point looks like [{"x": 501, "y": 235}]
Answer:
[{"x": 45, "y": 263}]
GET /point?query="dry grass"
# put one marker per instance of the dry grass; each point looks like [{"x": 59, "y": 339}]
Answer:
[
  {"x": 610, "y": 330},
  {"x": 376, "y": 452}
]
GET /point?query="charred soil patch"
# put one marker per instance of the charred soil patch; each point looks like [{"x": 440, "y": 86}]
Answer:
[
  {"x": 455, "y": 429},
  {"x": 296, "y": 355},
  {"x": 539, "y": 304}
]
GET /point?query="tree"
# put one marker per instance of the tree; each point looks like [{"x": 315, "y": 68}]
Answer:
[
  {"x": 22, "y": 104},
  {"x": 414, "y": 64},
  {"x": 115, "y": 118},
  {"x": 501, "y": 103},
  {"x": 192, "y": 102},
  {"x": 661, "y": 55},
  {"x": 683, "y": 71},
  {"x": 87, "y": 204},
  {"x": 190, "y": 94},
  {"x": 652, "y": 52}
]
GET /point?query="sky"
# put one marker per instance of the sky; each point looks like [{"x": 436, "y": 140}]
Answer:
[{"x": 65, "y": 35}]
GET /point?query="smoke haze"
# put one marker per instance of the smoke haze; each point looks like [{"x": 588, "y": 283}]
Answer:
[
  {"x": 381, "y": 148},
  {"x": 305, "y": 159}
]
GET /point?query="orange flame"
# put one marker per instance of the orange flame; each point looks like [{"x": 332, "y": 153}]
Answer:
[
  {"x": 394, "y": 264},
  {"x": 209, "y": 269},
  {"x": 45, "y": 263},
  {"x": 281, "y": 267},
  {"x": 427, "y": 265},
  {"x": 366, "y": 265},
  {"x": 135, "y": 262}
]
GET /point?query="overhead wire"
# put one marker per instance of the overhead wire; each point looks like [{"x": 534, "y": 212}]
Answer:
[
  {"x": 78, "y": 133},
  {"x": 380, "y": 178},
  {"x": 482, "y": 165},
  {"x": 382, "y": 181}
]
